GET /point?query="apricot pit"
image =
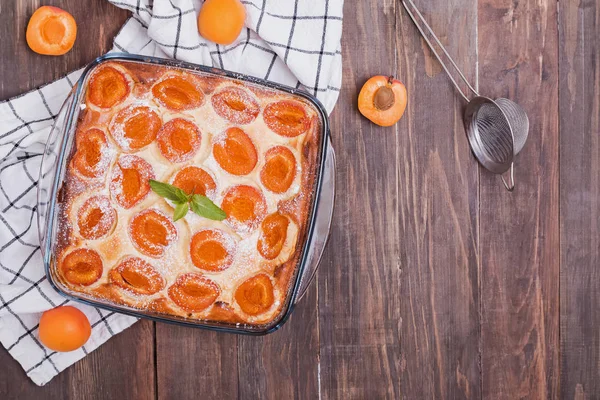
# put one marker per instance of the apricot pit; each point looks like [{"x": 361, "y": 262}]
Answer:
[{"x": 382, "y": 100}]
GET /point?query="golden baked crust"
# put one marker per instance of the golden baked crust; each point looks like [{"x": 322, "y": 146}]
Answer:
[{"x": 252, "y": 151}]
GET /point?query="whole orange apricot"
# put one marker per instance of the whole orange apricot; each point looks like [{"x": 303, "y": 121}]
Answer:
[
  {"x": 51, "y": 31},
  {"x": 382, "y": 100},
  {"x": 221, "y": 21},
  {"x": 64, "y": 328}
]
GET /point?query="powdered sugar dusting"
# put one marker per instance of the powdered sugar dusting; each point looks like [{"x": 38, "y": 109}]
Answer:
[
  {"x": 175, "y": 258},
  {"x": 137, "y": 110},
  {"x": 100, "y": 213}
]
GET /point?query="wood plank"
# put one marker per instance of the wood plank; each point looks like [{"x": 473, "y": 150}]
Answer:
[
  {"x": 132, "y": 375},
  {"x": 519, "y": 231},
  {"x": 579, "y": 28},
  {"x": 438, "y": 210},
  {"x": 122, "y": 368},
  {"x": 284, "y": 364},
  {"x": 194, "y": 363},
  {"x": 359, "y": 296}
]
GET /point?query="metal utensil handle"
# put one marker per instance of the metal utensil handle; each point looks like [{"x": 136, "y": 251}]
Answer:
[
  {"x": 422, "y": 20},
  {"x": 510, "y": 186}
]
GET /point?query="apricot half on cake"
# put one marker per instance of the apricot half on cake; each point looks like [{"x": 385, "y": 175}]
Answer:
[
  {"x": 137, "y": 276},
  {"x": 273, "y": 234},
  {"x": 382, "y": 100},
  {"x": 235, "y": 105},
  {"x": 108, "y": 87},
  {"x": 286, "y": 118},
  {"x": 195, "y": 180},
  {"x": 193, "y": 292},
  {"x": 91, "y": 156},
  {"x": 255, "y": 295},
  {"x": 178, "y": 140},
  {"x": 245, "y": 206},
  {"x": 82, "y": 267},
  {"x": 152, "y": 232},
  {"x": 135, "y": 127},
  {"x": 96, "y": 217},
  {"x": 51, "y": 31},
  {"x": 212, "y": 250},
  {"x": 178, "y": 92},
  {"x": 129, "y": 182},
  {"x": 279, "y": 170},
  {"x": 235, "y": 152}
]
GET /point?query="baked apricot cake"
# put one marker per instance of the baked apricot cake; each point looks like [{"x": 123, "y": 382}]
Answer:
[{"x": 249, "y": 152}]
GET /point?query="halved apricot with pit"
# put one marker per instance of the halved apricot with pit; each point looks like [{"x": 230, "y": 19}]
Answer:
[
  {"x": 135, "y": 127},
  {"x": 108, "y": 87},
  {"x": 273, "y": 233},
  {"x": 178, "y": 140},
  {"x": 152, "y": 232},
  {"x": 91, "y": 157},
  {"x": 195, "y": 180},
  {"x": 51, "y": 31},
  {"x": 255, "y": 295},
  {"x": 129, "y": 183},
  {"x": 286, "y": 118},
  {"x": 193, "y": 292},
  {"x": 82, "y": 267},
  {"x": 96, "y": 217},
  {"x": 245, "y": 206},
  {"x": 212, "y": 250},
  {"x": 382, "y": 100},
  {"x": 235, "y": 105},
  {"x": 137, "y": 276},
  {"x": 235, "y": 152},
  {"x": 279, "y": 170},
  {"x": 178, "y": 92}
]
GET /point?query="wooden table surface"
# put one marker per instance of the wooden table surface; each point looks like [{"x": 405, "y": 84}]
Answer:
[{"x": 437, "y": 283}]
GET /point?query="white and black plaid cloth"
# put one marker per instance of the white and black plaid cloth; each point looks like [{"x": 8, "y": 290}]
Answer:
[{"x": 294, "y": 42}]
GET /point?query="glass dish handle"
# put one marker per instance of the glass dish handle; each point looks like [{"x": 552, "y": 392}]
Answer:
[
  {"x": 48, "y": 167},
  {"x": 322, "y": 224}
]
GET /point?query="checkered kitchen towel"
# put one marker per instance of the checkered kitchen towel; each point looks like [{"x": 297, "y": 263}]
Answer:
[{"x": 292, "y": 42}]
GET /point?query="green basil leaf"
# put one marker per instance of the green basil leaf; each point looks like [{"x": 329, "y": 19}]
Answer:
[
  {"x": 167, "y": 191},
  {"x": 204, "y": 207},
  {"x": 180, "y": 211},
  {"x": 183, "y": 197}
]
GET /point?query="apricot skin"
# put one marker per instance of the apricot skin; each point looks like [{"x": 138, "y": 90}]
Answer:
[
  {"x": 64, "y": 328},
  {"x": 367, "y": 105},
  {"x": 221, "y": 21}
]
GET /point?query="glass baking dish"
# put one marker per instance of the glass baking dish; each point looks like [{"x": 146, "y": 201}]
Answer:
[{"x": 53, "y": 169}]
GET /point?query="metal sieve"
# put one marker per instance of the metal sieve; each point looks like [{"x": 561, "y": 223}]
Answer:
[{"x": 496, "y": 129}]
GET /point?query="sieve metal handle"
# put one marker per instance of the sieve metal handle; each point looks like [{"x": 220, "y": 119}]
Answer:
[
  {"x": 510, "y": 187},
  {"x": 422, "y": 20}
]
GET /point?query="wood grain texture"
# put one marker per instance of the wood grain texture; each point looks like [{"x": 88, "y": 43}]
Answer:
[
  {"x": 437, "y": 283},
  {"x": 285, "y": 364},
  {"x": 438, "y": 209},
  {"x": 122, "y": 368},
  {"x": 580, "y": 198},
  {"x": 359, "y": 279},
  {"x": 193, "y": 363},
  {"x": 519, "y": 232}
]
